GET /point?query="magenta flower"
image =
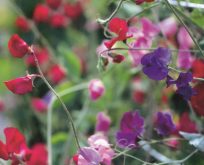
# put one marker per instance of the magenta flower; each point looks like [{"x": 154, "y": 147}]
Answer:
[
  {"x": 149, "y": 29},
  {"x": 131, "y": 127},
  {"x": 184, "y": 38},
  {"x": 184, "y": 60},
  {"x": 103, "y": 122},
  {"x": 96, "y": 89},
  {"x": 164, "y": 124},
  {"x": 155, "y": 64}
]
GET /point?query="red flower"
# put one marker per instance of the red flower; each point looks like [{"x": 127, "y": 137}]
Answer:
[
  {"x": 197, "y": 68},
  {"x": 42, "y": 56},
  {"x": 73, "y": 10},
  {"x": 118, "y": 58},
  {"x": 39, "y": 155},
  {"x": 186, "y": 124},
  {"x": 120, "y": 28},
  {"x": 21, "y": 85},
  {"x": 197, "y": 100},
  {"x": 58, "y": 20},
  {"x": 17, "y": 46},
  {"x": 22, "y": 24},
  {"x": 75, "y": 159},
  {"x": 39, "y": 105},
  {"x": 56, "y": 73},
  {"x": 41, "y": 13},
  {"x": 54, "y": 3},
  {"x": 15, "y": 148}
]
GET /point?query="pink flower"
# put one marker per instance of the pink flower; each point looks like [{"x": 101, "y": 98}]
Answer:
[
  {"x": 17, "y": 46},
  {"x": 169, "y": 26},
  {"x": 184, "y": 60},
  {"x": 149, "y": 29},
  {"x": 21, "y": 85},
  {"x": 184, "y": 38},
  {"x": 88, "y": 156},
  {"x": 39, "y": 105},
  {"x": 96, "y": 89},
  {"x": 103, "y": 122},
  {"x": 99, "y": 142}
]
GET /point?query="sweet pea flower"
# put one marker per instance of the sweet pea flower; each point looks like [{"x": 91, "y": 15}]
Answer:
[
  {"x": 54, "y": 3},
  {"x": 119, "y": 27},
  {"x": 58, "y": 20},
  {"x": 197, "y": 68},
  {"x": 15, "y": 148},
  {"x": 138, "y": 2},
  {"x": 149, "y": 29},
  {"x": 96, "y": 89},
  {"x": 186, "y": 124},
  {"x": 100, "y": 143},
  {"x": 39, "y": 105},
  {"x": 22, "y": 24},
  {"x": 17, "y": 46},
  {"x": 131, "y": 127},
  {"x": 21, "y": 85},
  {"x": 184, "y": 60},
  {"x": 155, "y": 64},
  {"x": 56, "y": 73},
  {"x": 103, "y": 122},
  {"x": 169, "y": 26},
  {"x": 197, "y": 100},
  {"x": 41, "y": 13},
  {"x": 184, "y": 38},
  {"x": 73, "y": 10},
  {"x": 164, "y": 124}
]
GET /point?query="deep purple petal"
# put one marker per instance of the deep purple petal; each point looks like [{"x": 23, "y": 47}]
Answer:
[
  {"x": 164, "y": 124},
  {"x": 126, "y": 139},
  {"x": 156, "y": 73},
  {"x": 184, "y": 79},
  {"x": 186, "y": 92}
]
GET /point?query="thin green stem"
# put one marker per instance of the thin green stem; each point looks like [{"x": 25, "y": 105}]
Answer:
[
  {"x": 49, "y": 116},
  {"x": 182, "y": 22},
  {"x": 59, "y": 98},
  {"x": 104, "y": 21}
]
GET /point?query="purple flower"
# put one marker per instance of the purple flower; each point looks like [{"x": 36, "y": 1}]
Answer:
[
  {"x": 103, "y": 122},
  {"x": 155, "y": 64},
  {"x": 164, "y": 124},
  {"x": 182, "y": 84},
  {"x": 131, "y": 127}
]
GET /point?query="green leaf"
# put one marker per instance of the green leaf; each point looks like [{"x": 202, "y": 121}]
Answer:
[
  {"x": 59, "y": 138},
  {"x": 71, "y": 61},
  {"x": 197, "y": 17}
]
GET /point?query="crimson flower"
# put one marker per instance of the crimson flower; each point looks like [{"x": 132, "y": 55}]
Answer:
[
  {"x": 15, "y": 147},
  {"x": 197, "y": 100},
  {"x": 21, "y": 85},
  {"x": 197, "y": 68},
  {"x": 39, "y": 155},
  {"x": 73, "y": 10},
  {"x": 41, "y": 13},
  {"x": 58, "y": 20},
  {"x": 17, "y": 46},
  {"x": 54, "y": 3},
  {"x": 120, "y": 28},
  {"x": 56, "y": 73},
  {"x": 22, "y": 24}
]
